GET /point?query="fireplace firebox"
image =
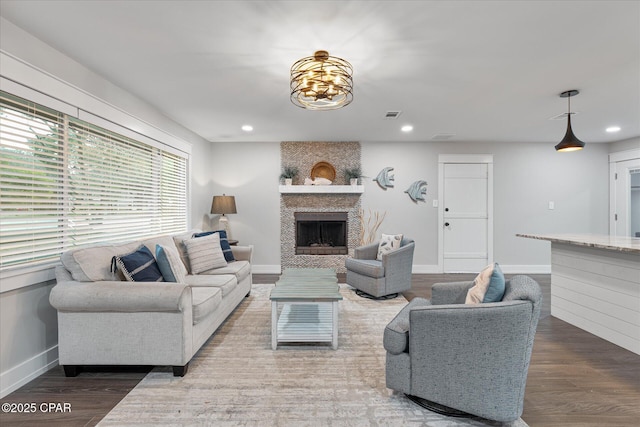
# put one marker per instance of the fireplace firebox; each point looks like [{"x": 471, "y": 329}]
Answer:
[{"x": 321, "y": 233}]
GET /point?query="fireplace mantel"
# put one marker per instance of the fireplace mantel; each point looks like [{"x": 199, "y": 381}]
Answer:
[{"x": 321, "y": 189}]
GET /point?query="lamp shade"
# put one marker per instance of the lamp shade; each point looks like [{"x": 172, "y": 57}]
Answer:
[
  {"x": 570, "y": 142},
  {"x": 223, "y": 205}
]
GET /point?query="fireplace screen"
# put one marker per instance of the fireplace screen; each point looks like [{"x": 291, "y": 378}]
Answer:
[{"x": 321, "y": 233}]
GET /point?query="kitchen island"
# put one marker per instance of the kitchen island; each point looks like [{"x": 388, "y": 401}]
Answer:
[{"x": 595, "y": 284}]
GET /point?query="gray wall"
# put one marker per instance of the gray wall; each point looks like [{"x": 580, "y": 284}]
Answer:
[
  {"x": 624, "y": 145},
  {"x": 526, "y": 178},
  {"x": 249, "y": 171},
  {"x": 28, "y": 333}
]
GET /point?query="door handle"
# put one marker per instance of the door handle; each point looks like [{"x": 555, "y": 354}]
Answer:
[
  {"x": 446, "y": 224},
  {"x": 446, "y": 209}
]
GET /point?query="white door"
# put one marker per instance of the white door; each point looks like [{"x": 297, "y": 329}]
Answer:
[
  {"x": 467, "y": 234},
  {"x": 625, "y": 194}
]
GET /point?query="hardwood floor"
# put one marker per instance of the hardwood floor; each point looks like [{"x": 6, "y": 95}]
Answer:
[{"x": 575, "y": 378}]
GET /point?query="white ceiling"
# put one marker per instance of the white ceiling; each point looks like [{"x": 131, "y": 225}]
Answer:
[{"x": 482, "y": 70}]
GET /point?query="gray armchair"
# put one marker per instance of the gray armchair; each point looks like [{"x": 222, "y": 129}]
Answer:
[
  {"x": 381, "y": 278},
  {"x": 472, "y": 358}
]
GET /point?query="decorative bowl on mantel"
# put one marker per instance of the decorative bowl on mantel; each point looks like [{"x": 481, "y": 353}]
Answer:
[{"x": 323, "y": 170}]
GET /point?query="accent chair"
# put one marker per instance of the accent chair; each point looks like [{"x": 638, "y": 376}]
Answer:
[
  {"x": 381, "y": 278},
  {"x": 472, "y": 358}
]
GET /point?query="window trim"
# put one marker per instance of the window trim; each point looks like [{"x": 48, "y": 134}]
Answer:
[{"x": 15, "y": 278}]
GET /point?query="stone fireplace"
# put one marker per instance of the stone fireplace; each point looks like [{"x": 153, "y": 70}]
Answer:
[{"x": 319, "y": 229}]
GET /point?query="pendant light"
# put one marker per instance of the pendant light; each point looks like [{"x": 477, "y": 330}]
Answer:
[{"x": 570, "y": 142}]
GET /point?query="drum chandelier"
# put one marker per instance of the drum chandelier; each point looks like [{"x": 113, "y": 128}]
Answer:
[{"x": 321, "y": 82}]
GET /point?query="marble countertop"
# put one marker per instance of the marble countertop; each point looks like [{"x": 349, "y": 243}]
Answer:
[{"x": 601, "y": 241}]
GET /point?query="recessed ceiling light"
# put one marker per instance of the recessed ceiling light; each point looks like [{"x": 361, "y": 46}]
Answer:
[
  {"x": 406, "y": 128},
  {"x": 612, "y": 129},
  {"x": 247, "y": 128}
]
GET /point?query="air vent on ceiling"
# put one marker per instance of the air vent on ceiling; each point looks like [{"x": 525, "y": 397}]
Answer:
[
  {"x": 392, "y": 114},
  {"x": 562, "y": 116},
  {"x": 442, "y": 136}
]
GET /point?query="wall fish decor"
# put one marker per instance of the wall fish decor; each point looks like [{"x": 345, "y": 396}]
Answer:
[
  {"x": 385, "y": 178},
  {"x": 417, "y": 190}
]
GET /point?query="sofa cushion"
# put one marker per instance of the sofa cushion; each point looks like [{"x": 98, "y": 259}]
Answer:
[
  {"x": 226, "y": 282},
  {"x": 366, "y": 267},
  {"x": 388, "y": 243},
  {"x": 170, "y": 264},
  {"x": 159, "y": 240},
  {"x": 396, "y": 333},
  {"x": 93, "y": 264},
  {"x": 139, "y": 266},
  {"x": 205, "y": 300},
  {"x": 240, "y": 269},
  {"x": 205, "y": 253},
  {"x": 224, "y": 243},
  {"x": 488, "y": 286}
]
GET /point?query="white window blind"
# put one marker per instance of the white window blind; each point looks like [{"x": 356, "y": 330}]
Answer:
[{"x": 65, "y": 182}]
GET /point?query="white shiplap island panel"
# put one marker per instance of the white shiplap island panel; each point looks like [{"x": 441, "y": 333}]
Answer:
[{"x": 595, "y": 285}]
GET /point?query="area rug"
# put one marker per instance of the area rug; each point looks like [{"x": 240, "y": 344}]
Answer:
[{"x": 237, "y": 380}]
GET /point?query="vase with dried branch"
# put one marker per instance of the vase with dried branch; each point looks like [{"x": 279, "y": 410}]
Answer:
[{"x": 369, "y": 226}]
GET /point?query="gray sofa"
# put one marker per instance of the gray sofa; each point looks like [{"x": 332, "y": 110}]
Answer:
[
  {"x": 103, "y": 320},
  {"x": 472, "y": 358}
]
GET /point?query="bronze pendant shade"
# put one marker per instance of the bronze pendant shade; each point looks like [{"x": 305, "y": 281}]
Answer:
[{"x": 570, "y": 142}]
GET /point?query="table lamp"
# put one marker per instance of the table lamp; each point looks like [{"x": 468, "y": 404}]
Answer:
[{"x": 224, "y": 205}]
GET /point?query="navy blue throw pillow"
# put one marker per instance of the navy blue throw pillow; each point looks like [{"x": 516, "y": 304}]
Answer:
[
  {"x": 139, "y": 266},
  {"x": 224, "y": 243}
]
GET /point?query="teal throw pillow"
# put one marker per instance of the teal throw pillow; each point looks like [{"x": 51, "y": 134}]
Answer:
[
  {"x": 170, "y": 264},
  {"x": 495, "y": 292}
]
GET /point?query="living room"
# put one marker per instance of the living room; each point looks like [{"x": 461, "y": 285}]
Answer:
[{"x": 535, "y": 188}]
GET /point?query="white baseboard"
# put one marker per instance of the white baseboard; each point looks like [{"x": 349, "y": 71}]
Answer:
[
  {"x": 16, "y": 377},
  {"x": 266, "y": 269},
  {"x": 428, "y": 269},
  {"x": 425, "y": 269},
  {"x": 526, "y": 269}
]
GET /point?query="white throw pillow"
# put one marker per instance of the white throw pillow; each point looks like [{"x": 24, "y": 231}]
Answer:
[
  {"x": 388, "y": 243},
  {"x": 475, "y": 295},
  {"x": 205, "y": 253}
]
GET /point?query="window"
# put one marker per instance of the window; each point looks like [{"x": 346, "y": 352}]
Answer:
[{"x": 65, "y": 182}]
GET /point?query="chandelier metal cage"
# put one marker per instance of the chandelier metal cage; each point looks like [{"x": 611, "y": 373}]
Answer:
[{"x": 321, "y": 82}]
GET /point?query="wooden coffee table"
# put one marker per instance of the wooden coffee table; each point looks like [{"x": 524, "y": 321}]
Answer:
[{"x": 304, "y": 307}]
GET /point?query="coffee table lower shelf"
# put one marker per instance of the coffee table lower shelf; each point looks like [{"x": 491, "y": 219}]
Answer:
[{"x": 305, "y": 322}]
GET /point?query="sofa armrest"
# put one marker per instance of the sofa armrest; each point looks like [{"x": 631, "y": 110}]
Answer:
[
  {"x": 369, "y": 251},
  {"x": 450, "y": 293},
  {"x": 242, "y": 253},
  {"x": 115, "y": 296}
]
